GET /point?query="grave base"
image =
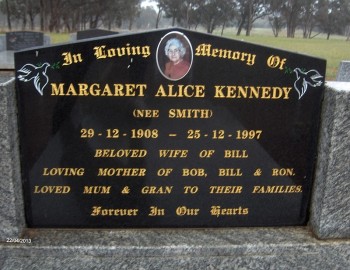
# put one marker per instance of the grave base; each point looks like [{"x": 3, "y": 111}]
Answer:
[
  {"x": 238, "y": 248},
  {"x": 231, "y": 248}
]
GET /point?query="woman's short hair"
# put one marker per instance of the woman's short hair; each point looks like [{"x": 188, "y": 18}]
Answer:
[{"x": 178, "y": 44}]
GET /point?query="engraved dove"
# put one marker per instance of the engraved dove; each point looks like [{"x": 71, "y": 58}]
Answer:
[
  {"x": 37, "y": 74},
  {"x": 304, "y": 79}
]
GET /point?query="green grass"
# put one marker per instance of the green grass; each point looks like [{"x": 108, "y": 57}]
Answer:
[
  {"x": 334, "y": 50},
  {"x": 59, "y": 38}
]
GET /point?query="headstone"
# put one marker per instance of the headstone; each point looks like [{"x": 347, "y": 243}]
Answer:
[
  {"x": 23, "y": 39},
  {"x": 2, "y": 43},
  {"x": 344, "y": 72},
  {"x": 47, "y": 40},
  {"x": 92, "y": 33},
  {"x": 7, "y": 60},
  {"x": 169, "y": 128}
]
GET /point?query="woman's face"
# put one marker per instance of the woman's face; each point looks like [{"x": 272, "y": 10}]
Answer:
[{"x": 174, "y": 54}]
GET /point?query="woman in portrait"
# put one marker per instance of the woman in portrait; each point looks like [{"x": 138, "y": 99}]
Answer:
[{"x": 177, "y": 67}]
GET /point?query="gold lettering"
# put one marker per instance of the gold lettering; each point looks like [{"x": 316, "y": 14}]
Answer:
[
  {"x": 250, "y": 92},
  {"x": 217, "y": 211},
  {"x": 99, "y": 211},
  {"x": 146, "y": 113},
  {"x": 106, "y": 91},
  {"x": 83, "y": 89},
  {"x": 206, "y": 50},
  {"x": 52, "y": 189},
  {"x": 120, "y": 153},
  {"x": 277, "y": 189},
  {"x": 97, "y": 189},
  {"x": 121, "y": 172},
  {"x": 155, "y": 211},
  {"x": 265, "y": 93},
  {"x": 225, "y": 189},
  {"x": 235, "y": 154},
  {"x": 185, "y": 211},
  {"x": 230, "y": 172},
  {"x": 119, "y": 90},
  {"x": 102, "y": 53},
  {"x": 283, "y": 172},
  {"x": 186, "y": 91},
  {"x": 57, "y": 90},
  {"x": 70, "y": 58},
  {"x": 71, "y": 91},
  {"x": 156, "y": 189},
  {"x": 194, "y": 172},
  {"x": 190, "y": 113},
  {"x": 173, "y": 153},
  {"x": 63, "y": 171}
]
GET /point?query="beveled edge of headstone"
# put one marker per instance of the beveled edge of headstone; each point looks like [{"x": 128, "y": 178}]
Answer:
[
  {"x": 330, "y": 207},
  {"x": 12, "y": 220}
]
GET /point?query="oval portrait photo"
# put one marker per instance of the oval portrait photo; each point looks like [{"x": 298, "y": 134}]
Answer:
[{"x": 174, "y": 56}]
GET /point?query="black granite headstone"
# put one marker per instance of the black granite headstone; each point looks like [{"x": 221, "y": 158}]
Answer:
[
  {"x": 92, "y": 33},
  {"x": 23, "y": 39},
  {"x": 168, "y": 128}
]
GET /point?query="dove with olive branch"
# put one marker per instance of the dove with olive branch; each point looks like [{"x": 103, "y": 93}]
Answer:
[
  {"x": 305, "y": 79},
  {"x": 37, "y": 74}
]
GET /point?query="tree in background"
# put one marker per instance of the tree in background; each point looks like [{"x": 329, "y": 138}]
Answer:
[
  {"x": 191, "y": 13},
  {"x": 333, "y": 16},
  {"x": 8, "y": 12},
  {"x": 249, "y": 11},
  {"x": 131, "y": 10},
  {"x": 183, "y": 12},
  {"x": 291, "y": 10},
  {"x": 308, "y": 17},
  {"x": 172, "y": 9},
  {"x": 215, "y": 13},
  {"x": 72, "y": 15},
  {"x": 190, "y": 16},
  {"x": 276, "y": 19},
  {"x": 20, "y": 10},
  {"x": 148, "y": 16},
  {"x": 328, "y": 16}
]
